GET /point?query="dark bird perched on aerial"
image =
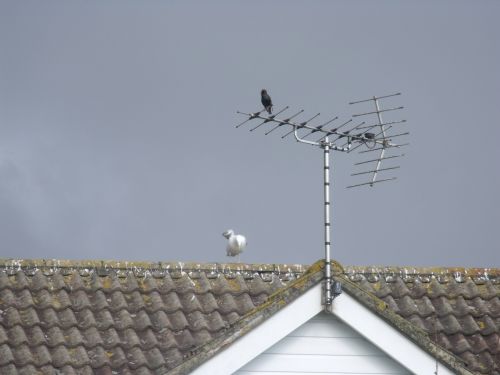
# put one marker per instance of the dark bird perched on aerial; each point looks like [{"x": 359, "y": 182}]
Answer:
[{"x": 266, "y": 101}]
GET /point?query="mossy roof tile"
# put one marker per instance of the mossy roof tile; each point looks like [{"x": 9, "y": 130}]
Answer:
[
  {"x": 91, "y": 337},
  {"x": 17, "y": 336},
  {"x": 37, "y": 336},
  {"x": 24, "y": 299},
  {"x": 22, "y": 355},
  {"x": 98, "y": 357},
  {"x": 117, "y": 302}
]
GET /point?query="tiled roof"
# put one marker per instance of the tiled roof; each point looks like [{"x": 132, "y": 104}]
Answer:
[
  {"x": 458, "y": 308},
  {"x": 153, "y": 318},
  {"x": 122, "y": 318}
]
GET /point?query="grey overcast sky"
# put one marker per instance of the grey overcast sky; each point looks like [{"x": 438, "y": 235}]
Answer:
[{"x": 117, "y": 137}]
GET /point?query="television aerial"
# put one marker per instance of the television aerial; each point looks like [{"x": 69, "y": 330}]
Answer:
[{"x": 372, "y": 137}]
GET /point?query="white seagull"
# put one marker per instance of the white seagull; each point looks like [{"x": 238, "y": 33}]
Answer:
[{"x": 235, "y": 244}]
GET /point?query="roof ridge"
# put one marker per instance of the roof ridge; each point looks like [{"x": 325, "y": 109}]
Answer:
[
  {"x": 99, "y": 264},
  {"x": 19, "y": 263},
  {"x": 425, "y": 270}
]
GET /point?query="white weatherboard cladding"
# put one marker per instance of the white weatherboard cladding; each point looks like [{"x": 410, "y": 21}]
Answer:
[
  {"x": 324, "y": 344},
  {"x": 302, "y": 339}
]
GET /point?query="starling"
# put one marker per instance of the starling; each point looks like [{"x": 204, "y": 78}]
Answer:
[{"x": 266, "y": 101}]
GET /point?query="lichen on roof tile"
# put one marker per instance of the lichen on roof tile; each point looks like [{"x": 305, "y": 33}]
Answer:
[
  {"x": 257, "y": 287},
  {"x": 135, "y": 301},
  {"x": 215, "y": 321},
  {"x": 57, "y": 282},
  {"x": 130, "y": 339},
  {"x": 75, "y": 282},
  {"x": 104, "y": 319},
  {"x": 73, "y": 337},
  {"x": 488, "y": 326},
  {"x": 166, "y": 339},
  {"x": 167, "y": 285},
  {"x": 110, "y": 338},
  {"x": 7, "y": 299},
  {"x": 79, "y": 300},
  {"x": 142, "y": 321},
  {"x": 202, "y": 284},
  {"x": 37, "y": 336},
  {"x": 220, "y": 286},
  {"x": 42, "y": 356},
  {"x": 79, "y": 357},
  {"x": 98, "y": 357},
  {"x": 461, "y": 307},
  {"x": 172, "y": 302},
  {"x": 442, "y": 306},
  {"x": 155, "y": 358},
  {"x": 478, "y": 344},
  {"x": 85, "y": 319},
  {"x": 67, "y": 318},
  {"x": 136, "y": 358},
  {"x": 22, "y": 355},
  {"x": 20, "y": 281},
  {"x": 160, "y": 321},
  {"x": 131, "y": 284},
  {"x": 184, "y": 284},
  {"x": 494, "y": 307},
  {"x": 55, "y": 337},
  {"x": 232, "y": 318},
  {"x": 99, "y": 301},
  {"x": 425, "y": 307},
  {"x": 6, "y": 355},
  {"x": 117, "y": 357},
  {"x": 226, "y": 303},
  {"x": 91, "y": 337},
  {"x": 24, "y": 299},
  {"x": 60, "y": 356},
  {"x": 17, "y": 336},
  {"x": 117, "y": 301},
  {"x": 177, "y": 320},
  {"x": 459, "y": 343},
  {"x": 43, "y": 299},
  {"x": 112, "y": 283},
  {"x": 149, "y": 284},
  {"x": 123, "y": 320},
  {"x": 11, "y": 317},
  {"x": 184, "y": 339},
  {"x": 419, "y": 289},
  {"x": 202, "y": 336},
  {"x": 189, "y": 302},
  {"x": 207, "y": 302}
]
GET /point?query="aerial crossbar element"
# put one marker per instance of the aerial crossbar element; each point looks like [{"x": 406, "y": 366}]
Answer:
[
  {"x": 383, "y": 140},
  {"x": 295, "y": 127}
]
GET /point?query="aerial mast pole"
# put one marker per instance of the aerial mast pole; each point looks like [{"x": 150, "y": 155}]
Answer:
[{"x": 326, "y": 176}]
